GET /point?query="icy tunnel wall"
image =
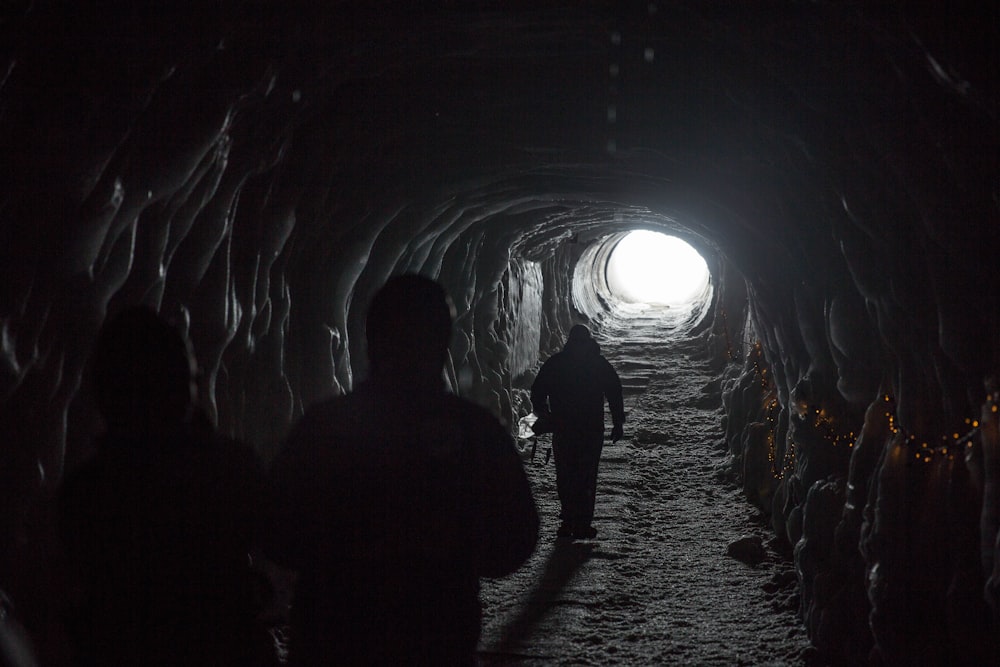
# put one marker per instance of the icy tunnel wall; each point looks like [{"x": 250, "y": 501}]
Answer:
[
  {"x": 523, "y": 315},
  {"x": 256, "y": 170}
]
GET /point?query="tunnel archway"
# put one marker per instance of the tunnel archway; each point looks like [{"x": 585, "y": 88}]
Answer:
[
  {"x": 598, "y": 291},
  {"x": 257, "y": 174},
  {"x": 654, "y": 269}
]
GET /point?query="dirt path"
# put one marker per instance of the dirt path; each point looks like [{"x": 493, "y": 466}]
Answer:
[{"x": 656, "y": 585}]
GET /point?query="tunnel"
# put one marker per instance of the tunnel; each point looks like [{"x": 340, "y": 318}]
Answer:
[{"x": 256, "y": 170}]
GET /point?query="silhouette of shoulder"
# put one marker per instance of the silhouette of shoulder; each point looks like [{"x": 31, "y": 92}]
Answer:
[
  {"x": 350, "y": 457},
  {"x": 159, "y": 539}
]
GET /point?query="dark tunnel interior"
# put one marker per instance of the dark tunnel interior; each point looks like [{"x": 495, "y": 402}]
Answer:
[{"x": 256, "y": 170}]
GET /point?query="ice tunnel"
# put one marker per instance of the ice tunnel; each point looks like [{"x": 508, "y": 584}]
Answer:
[{"x": 257, "y": 170}]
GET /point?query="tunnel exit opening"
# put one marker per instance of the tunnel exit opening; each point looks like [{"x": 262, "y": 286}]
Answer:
[
  {"x": 643, "y": 273},
  {"x": 647, "y": 267}
]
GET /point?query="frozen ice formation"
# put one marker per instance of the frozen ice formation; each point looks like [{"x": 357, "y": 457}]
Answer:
[{"x": 256, "y": 175}]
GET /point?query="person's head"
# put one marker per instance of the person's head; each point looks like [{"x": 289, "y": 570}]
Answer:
[
  {"x": 143, "y": 372},
  {"x": 578, "y": 334},
  {"x": 579, "y": 341},
  {"x": 408, "y": 329}
]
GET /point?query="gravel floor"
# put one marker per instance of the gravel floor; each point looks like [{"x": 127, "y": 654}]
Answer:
[{"x": 656, "y": 586}]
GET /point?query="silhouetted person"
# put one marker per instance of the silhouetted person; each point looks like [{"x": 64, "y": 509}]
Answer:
[
  {"x": 392, "y": 501},
  {"x": 157, "y": 526},
  {"x": 569, "y": 393},
  {"x": 16, "y": 649}
]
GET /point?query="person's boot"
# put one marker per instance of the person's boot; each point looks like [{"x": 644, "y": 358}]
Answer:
[
  {"x": 565, "y": 530},
  {"x": 584, "y": 532}
]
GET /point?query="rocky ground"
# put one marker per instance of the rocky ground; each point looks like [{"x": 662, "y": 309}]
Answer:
[{"x": 656, "y": 586}]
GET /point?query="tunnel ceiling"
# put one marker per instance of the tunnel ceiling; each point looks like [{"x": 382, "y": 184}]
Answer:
[
  {"x": 255, "y": 170},
  {"x": 778, "y": 113},
  {"x": 225, "y": 161}
]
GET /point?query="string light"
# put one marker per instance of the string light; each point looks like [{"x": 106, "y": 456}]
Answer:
[
  {"x": 949, "y": 444},
  {"x": 771, "y": 448},
  {"x": 760, "y": 371},
  {"x": 725, "y": 330},
  {"x": 771, "y": 406},
  {"x": 823, "y": 423},
  {"x": 789, "y": 462}
]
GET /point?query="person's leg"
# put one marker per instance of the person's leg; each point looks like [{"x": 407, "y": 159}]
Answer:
[
  {"x": 577, "y": 454},
  {"x": 591, "y": 448},
  {"x": 562, "y": 451},
  {"x": 573, "y": 466}
]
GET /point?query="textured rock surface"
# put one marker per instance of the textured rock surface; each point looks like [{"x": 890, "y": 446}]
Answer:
[{"x": 256, "y": 170}]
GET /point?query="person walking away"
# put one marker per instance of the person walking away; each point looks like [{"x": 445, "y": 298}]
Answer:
[
  {"x": 157, "y": 525},
  {"x": 392, "y": 501},
  {"x": 569, "y": 393}
]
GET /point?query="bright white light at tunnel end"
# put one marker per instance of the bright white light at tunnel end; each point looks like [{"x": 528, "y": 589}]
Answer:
[{"x": 648, "y": 267}]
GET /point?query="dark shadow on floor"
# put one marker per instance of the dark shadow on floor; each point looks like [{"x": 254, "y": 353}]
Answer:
[{"x": 566, "y": 558}]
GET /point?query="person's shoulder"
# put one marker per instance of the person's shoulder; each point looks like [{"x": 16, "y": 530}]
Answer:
[
  {"x": 79, "y": 482},
  {"x": 604, "y": 361},
  {"x": 202, "y": 433},
  {"x": 607, "y": 368},
  {"x": 335, "y": 413},
  {"x": 556, "y": 361},
  {"x": 111, "y": 458},
  {"x": 90, "y": 487},
  {"x": 456, "y": 405},
  {"x": 560, "y": 355},
  {"x": 329, "y": 428},
  {"x": 237, "y": 454},
  {"x": 334, "y": 404},
  {"x": 478, "y": 417}
]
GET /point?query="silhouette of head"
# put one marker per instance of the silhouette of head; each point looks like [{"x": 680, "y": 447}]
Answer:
[
  {"x": 578, "y": 334},
  {"x": 579, "y": 342},
  {"x": 143, "y": 372},
  {"x": 408, "y": 329}
]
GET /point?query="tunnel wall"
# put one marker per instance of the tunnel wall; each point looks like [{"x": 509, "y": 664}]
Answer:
[
  {"x": 870, "y": 510},
  {"x": 255, "y": 172},
  {"x": 524, "y": 316},
  {"x": 504, "y": 343},
  {"x": 589, "y": 287}
]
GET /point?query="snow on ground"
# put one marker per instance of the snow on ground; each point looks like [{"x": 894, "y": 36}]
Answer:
[{"x": 656, "y": 586}]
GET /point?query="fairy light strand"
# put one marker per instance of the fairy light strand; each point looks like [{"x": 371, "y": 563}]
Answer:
[{"x": 825, "y": 426}]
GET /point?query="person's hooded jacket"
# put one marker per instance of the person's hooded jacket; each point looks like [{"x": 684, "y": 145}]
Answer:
[{"x": 572, "y": 385}]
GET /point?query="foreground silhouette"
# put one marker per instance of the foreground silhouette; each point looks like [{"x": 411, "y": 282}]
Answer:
[
  {"x": 568, "y": 396},
  {"x": 157, "y": 526},
  {"x": 16, "y": 649},
  {"x": 391, "y": 502}
]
